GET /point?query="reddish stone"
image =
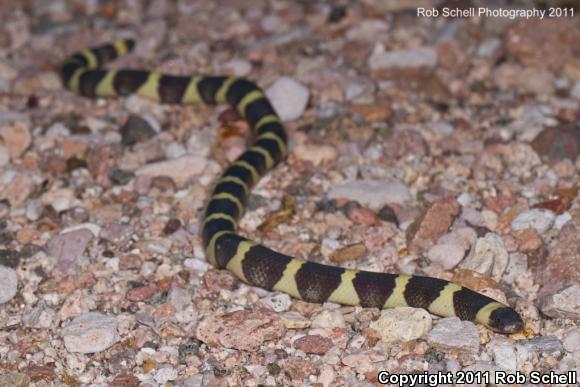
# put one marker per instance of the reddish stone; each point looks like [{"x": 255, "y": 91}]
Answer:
[
  {"x": 528, "y": 239},
  {"x": 215, "y": 280},
  {"x": 129, "y": 261},
  {"x": 141, "y": 293},
  {"x": 101, "y": 161},
  {"x": 432, "y": 224},
  {"x": 313, "y": 344},
  {"x": 125, "y": 380},
  {"x": 562, "y": 266},
  {"x": 559, "y": 205},
  {"x": 241, "y": 330},
  {"x": 362, "y": 215},
  {"x": 403, "y": 143},
  {"x": 548, "y": 43},
  {"x": 40, "y": 373},
  {"x": 299, "y": 369}
]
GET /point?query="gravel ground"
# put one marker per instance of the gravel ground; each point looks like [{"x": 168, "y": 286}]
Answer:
[{"x": 446, "y": 147}]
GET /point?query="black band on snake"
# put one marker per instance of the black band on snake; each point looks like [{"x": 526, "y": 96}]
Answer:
[{"x": 249, "y": 261}]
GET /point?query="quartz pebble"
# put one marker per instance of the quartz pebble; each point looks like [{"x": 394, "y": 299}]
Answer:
[
  {"x": 402, "y": 324},
  {"x": 542, "y": 344},
  {"x": 328, "y": 319},
  {"x": 423, "y": 57},
  {"x": 278, "y": 302},
  {"x": 503, "y": 352},
  {"x": 488, "y": 256},
  {"x": 8, "y": 284},
  {"x": 571, "y": 341},
  {"x": 181, "y": 170},
  {"x": 90, "y": 333},
  {"x": 288, "y": 97},
  {"x": 564, "y": 303},
  {"x": 316, "y": 154},
  {"x": 537, "y": 218},
  {"x": 68, "y": 247},
  {"x": 365, "y": 192},
  {"x": 451, "y": 333}
]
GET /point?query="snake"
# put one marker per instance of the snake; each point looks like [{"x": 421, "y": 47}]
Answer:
[{"x": 250, "y": 261}]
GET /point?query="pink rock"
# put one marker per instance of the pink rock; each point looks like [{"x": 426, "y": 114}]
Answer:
[
  {"x": 314, "y": 344},
  {"x": 68, "y": 247},
  {"x": 241, "y": 329},
  {"x": 562, "y": 266},
  {"x": 362, "y": 215},
  {"x": 432, "y": 224},
  {"x": 141, "y": 293},
  {"x": 16, "y": 137},
  {"x": 18, "y": 190},
  {"x": 548, "y": 43}
]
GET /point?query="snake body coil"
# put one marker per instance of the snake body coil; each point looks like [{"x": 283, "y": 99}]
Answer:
[{"x": 249, "y": 261}]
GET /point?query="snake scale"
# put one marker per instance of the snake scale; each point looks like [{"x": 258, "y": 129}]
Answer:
[{"x": 250, "y": 261}]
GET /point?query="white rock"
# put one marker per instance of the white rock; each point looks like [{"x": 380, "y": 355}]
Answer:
[
  {"x": 539, "y": 219},
  {"x": 8, "y": 283},
  {"x": 278, "y": 302},
  {"x": 60, "y": 199},
  {"x": 571, "y": 341},
  {"x": 199, "y": 143},
  {"x": 402, "y": 324},
  {"x": 316, "y": 154},
  {"x": 561, "y": 220},
  {"x": 328, "y": 319},
  {"x": 575, "y": 92},
  {"x": 294, "y": 320},
  {"x": 90, "y": 333},
  {"x": 503, "y": 351},
  {"x": 92, "y": 227},
  {"x": 288, "y": 97},
  {"x": 488, "y": 256},
  {"x": 372, "y": 193},
  {"x": 4, "y": 155},
  {"x": 238, "y": 67},
  {"x": 425, "y": 57},
  {"x": 448, "y": 255},
  {"x": 564, "y": 303},
  {"x": 453, "y": 334},
  {"x": 163, "y": 375},
  {"x": 180, "y": 170}
]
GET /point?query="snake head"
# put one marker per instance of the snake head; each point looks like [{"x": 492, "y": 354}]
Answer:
[{"x": 505, "y": 320}]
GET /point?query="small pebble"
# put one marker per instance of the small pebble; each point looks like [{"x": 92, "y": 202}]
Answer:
[
  {"x": 365, "y": 192},
  {"x": 564, "y": 303},
  {"x": 402, "y": 324},
  {"x": 423, "y": 57},
  {"x": 451, "y": 333},
  {"x": 289, "y": 98},
  {"x": 181, "y": 170},
  {"x": 313, "y": 344},
  {"x": 278, "y": 302},
  {"x": 488, "y": 256},
  {"x": 136, "y": 129},
  {"x": 571, "y": 341},
  {"x": 537, "y": 218},
  {"x": 90, "y": 333},
  {"x": 543, "y": 344},
  {"x": 316, "y": 154},
  {"x": 328, "y": 319},
  {"x": 350, "y": 253},
  {"x": 8, "y": 284},
  {"x": 503, "y": 351}
]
